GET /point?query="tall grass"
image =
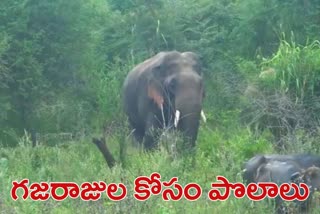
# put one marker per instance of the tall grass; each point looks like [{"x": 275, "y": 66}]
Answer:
[
  {"x": 297, "y": 68},
  {"x": 217, "y": 154}
]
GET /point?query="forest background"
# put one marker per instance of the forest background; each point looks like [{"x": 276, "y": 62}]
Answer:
[{"x": 62, "y": 66}]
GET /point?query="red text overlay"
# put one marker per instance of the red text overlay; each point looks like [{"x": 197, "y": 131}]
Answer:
[{"x": 145, "y": 187}]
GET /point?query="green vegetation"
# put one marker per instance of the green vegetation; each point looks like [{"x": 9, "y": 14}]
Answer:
[{"x": 62, "y": 64}]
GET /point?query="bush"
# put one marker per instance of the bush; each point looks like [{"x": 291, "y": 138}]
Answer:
[{"x": 288, "y": 89}]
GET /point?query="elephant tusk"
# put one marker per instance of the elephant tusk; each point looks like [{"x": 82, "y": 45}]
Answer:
[
  {"x": 203, "y": 116},
  {"x": 176, "y": 118},
  {"x": 162, "y": 114}
]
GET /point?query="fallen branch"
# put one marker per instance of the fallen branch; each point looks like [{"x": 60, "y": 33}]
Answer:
[{"x": 100, "y": 143}]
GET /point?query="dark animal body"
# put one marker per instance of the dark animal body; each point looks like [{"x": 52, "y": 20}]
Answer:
[
  {"x": 285, "y": 169},
  {"x": 165, "y": 91}
]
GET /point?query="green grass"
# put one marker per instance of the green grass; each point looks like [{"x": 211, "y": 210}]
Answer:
[{"x": 217, "y": 154}]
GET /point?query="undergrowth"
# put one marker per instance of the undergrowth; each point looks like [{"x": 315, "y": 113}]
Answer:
[{"x": 217, "y": 154}]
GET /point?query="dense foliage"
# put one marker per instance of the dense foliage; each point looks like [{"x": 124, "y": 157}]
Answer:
[
  {"x": 62, "y": 65},
  {"x": 62, "y": 62}
]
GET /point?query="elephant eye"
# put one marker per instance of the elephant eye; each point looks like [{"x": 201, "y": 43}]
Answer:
[
  {"x": 203, "y": 94},
  {"x": 197, "y": 68},
  {"x": 171, "y": 86}
]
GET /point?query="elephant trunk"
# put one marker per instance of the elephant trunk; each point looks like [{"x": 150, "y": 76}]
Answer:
[{"x": 187, "y": 118}]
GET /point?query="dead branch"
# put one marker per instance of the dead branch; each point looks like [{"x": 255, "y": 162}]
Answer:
[{"x": 100, "y": 143}]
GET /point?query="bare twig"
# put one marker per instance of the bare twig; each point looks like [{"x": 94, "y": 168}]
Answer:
[{"x": 100, "y": 143}]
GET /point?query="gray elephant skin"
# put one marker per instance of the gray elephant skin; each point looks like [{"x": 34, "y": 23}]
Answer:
[
  {"x": 298, "y": 168},
  {"x": 165, "y": 91},
  {"x": 303, "y": 160}
]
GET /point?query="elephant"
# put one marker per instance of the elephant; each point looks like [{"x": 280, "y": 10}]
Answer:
[
  {"x": 285, "y": 169},
  {"x": 303, "y": 160},
  {"x": 165, "y": 91}
]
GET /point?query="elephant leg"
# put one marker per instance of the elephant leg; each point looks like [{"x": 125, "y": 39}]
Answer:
[
  {"x": 138, "y": 135},
  {"x": 153, "y": 132},
  {"x": 138, "y": 130}
]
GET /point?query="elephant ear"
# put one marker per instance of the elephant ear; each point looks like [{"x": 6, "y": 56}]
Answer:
[
  {"x": 155, "y": 94},
  {"x": 311, "y": 174},
  {"x": 156, "y": 77},
  {"x": 263, "y": 174}
]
